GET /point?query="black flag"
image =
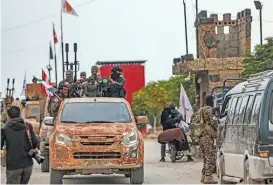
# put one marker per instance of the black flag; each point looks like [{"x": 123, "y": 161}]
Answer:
[{"x": 50, "y": 52}]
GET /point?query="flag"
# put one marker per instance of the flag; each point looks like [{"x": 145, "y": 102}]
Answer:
[
  {"x": 50, "y": 52},
  {"x": 67, "y": 8},
  {"x": 54, "y": 35},
  {"x": 23, "y": 93},
  {"x": 185, "y": 107},
  {"x": 47, "y": 88}
]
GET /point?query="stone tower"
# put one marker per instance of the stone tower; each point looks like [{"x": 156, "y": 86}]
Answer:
[
  {"x": 224, "y": 38},
  {"x": 223, "y": 44}
]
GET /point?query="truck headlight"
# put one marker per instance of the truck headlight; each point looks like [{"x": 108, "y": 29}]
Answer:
[
  {"x": 63, "y": 139},
  {"x": 130, "y": 139}
]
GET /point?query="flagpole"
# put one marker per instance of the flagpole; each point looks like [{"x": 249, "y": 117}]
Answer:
[
  {"x": 62, "y": 40},
  {"x": 49, "y": 66},
  {"x": 55, "y": 59}
]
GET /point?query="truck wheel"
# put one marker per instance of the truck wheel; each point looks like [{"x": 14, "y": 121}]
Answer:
[
  {"x": 45, "y": 163},
  {"x": 137, "y": 175},
  {"x": 56, "y": 177}
]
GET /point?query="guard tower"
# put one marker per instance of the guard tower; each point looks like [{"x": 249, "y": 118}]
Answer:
[{"x": 223, "y": 44}]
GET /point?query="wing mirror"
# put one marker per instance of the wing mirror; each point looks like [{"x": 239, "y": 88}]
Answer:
[
  {"x": 141, "y": 120},
  {"x": 50, "y": 121}
]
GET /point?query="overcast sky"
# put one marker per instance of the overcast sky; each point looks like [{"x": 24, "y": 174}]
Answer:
[{"x": 150, "y": 30}]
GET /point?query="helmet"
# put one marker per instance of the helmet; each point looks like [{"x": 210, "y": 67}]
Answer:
[
  {"x": 116, "y": 68},
  {"x": 94, "y": 68}
]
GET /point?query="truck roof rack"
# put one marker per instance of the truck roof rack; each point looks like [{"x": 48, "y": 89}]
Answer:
[{"x": 261, "y": 75}]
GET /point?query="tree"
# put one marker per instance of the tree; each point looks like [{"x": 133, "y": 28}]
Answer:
[
  {"x": 260, "y": 60},
  {"x": 156, "y": 95}
]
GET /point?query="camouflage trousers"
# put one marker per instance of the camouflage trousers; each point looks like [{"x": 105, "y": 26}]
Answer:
[
  {"x": 3, "y": 157},
  {"x": 208, "y": 151}
]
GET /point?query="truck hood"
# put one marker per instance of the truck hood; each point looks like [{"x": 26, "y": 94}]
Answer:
[{"x": 95, "y": 128}]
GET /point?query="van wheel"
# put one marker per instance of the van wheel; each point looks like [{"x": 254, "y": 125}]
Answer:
[
  {"x": 137, "y": 175},
  {"x": 56, "y": 177},
  {"x": 45, "y": 163},
  {"x": 220, "y": 170}
]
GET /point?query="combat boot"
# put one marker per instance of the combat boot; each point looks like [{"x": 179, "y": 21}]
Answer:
[
  {"x": 210, "y": 180},
  {"x": 202, "y": 179}
]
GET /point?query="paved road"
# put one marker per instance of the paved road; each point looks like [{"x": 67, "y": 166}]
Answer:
[{"x": 180, "y": 172}]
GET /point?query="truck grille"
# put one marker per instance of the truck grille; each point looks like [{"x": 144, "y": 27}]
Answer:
[
  {"x": 96, "y": 155},
  {"x": 97, "y": 143}
]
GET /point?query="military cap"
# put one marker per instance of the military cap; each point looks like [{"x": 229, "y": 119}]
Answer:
[
  {"x": 94, "y": 68},
  {"x": 69, "y": 71},
  {"x": 116, "y": 68}
]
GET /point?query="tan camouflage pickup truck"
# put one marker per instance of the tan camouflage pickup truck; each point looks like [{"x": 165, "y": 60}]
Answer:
[{"x": 96, "y": 136}]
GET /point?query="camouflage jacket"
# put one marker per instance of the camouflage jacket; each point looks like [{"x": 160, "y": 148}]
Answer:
[
  {"x": 79, "y": 87},
  {"x": 209, "y": 126},
  {"x": 54, "y": 106},
  {"x": 92, "y": 87}
]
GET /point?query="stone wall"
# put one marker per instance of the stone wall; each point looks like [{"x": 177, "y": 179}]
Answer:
[
  {"x": 224, "y": 38},
  {"x": 212, "y": 71}
]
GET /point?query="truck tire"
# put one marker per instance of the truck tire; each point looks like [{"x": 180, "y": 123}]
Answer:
[
  {"x": 137, "y": 175},
  {"x": 45, "y": 164},
  {"x": 56, "y": 176}
]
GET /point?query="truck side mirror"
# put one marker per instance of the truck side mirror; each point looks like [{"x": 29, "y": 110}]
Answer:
[
  {"x": 49, "y": 122},
  {"x": 142, "y": 120}
]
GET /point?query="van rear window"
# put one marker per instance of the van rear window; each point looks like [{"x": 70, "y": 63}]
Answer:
[{"x": 256, "y": 110}]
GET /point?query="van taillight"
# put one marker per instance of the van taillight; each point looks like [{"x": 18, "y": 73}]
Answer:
[{"x": 263, "y": 154}]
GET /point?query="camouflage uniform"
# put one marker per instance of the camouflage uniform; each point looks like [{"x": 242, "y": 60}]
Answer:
[
  {"x": 4, "y": 117},
  {"x": 195, "y": 107},
  {"x": 55, "y": 102},
  {"x": 92, "y": 85},
  {"x": 206, "y": 143},
  {"x": 80, "y": 85}
]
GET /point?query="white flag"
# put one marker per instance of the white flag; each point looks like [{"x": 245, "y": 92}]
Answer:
[
  {"x": 185, "y": 107},
  {"x": 23, "y": 92}
]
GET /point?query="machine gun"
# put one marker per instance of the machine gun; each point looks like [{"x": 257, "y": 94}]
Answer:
[{"x": 9, "y": 92}]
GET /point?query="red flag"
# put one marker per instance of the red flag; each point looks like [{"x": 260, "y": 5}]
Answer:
[
  {"x": 55, "y": 35},
  {"x": 67, "y": 8},
  {"x": 44, "y": 78}
]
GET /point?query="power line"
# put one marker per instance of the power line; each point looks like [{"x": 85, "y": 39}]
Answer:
[
  {"x": 37, "y": 46},
  {"x": 44, "y": 18}
]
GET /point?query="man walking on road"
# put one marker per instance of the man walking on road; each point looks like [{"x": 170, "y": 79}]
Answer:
[
  {"x": 206, "y": 141},
  {"x": 14, "y": 135}
]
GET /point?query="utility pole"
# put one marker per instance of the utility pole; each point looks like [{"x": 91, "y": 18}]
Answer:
[
  {"x": 259, "y": 6},
  {"x": 186, "y": 29},
  {"x": 196, "y": 29}
]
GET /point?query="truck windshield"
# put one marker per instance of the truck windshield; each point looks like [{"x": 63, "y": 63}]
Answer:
[{"x": 95, "y": 112}]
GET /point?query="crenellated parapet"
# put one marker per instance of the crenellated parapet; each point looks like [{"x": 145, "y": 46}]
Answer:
[{"x": 226, "y": 37}]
